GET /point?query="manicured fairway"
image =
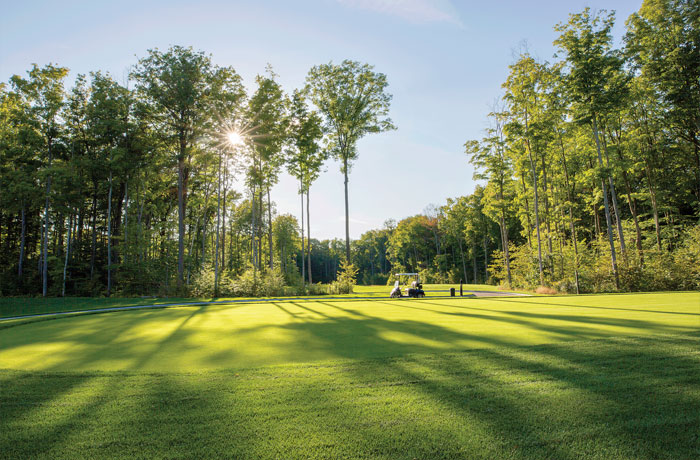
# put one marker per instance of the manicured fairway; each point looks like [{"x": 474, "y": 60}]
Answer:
[{"x": 610, "y": 376}]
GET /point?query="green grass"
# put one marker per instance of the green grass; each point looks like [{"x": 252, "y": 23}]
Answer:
[
  {"x": 610, "y": 376},
  {"x": 17, "y": 306}
]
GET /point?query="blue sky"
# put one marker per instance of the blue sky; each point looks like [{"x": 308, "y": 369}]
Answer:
[{"x": 444, "y": 60}]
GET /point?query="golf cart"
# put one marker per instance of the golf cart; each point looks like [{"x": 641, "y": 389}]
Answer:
[{"x": 415, "y": 290}]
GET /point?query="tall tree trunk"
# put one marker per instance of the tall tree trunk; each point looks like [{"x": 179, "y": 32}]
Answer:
[
  {"x": 231, "y": 245},
  {"x": 126, "y": 223},
  {"x": 181, "y": 216},
  {"x": 630, "y": 199},
  {"x": 218, "y": 217},
  {"x": 486, "y": 260},
  {"x": 537, "y": 217},
  {"x": 506, "y": 253},
  {"x": 607, "y": 206},
  {"x": 527, "y": 212},
  {"x": 45, "y": 246},
  {"x": 303, "y": 250},
  {"x": 269, "y": 232},
  {"x": 504, "y": 230},
  {"x": 254, "y": 232},
  {"x": 654, "y": 208},
  {"x": 464, "y": 265},
  {"x": 474, "y": 262},
  {"x": 109, "y": 236},
  {"x": 139, "y": 229},
  {"x": 569, "y": 195},
  {"x": 65, "y": 264},
  {"x": 308, "y": 233},
  {"x": 347, "y": 213},
  {"x": 223, "y": 217},
  {"x": 547, "y": 220},
  {"x": 22, "y": 239},
  {"x": 616, "y": 207}
]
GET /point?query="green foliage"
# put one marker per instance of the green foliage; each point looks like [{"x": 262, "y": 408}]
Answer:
[
  {"x": 543, "y": 178},
  {"x": 347, "y": 278}
]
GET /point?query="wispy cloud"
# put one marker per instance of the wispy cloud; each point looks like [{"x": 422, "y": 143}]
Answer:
[{"x": 416, "y": 11}]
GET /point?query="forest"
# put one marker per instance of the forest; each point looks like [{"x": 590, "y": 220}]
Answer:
[{"x": 588, "y": 176}]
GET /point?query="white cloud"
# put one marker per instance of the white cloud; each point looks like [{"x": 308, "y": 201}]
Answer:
[{"x": 416, "y": 11}]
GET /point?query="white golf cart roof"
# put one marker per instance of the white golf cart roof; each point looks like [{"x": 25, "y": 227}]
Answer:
[{"x": 405, "y": 274}]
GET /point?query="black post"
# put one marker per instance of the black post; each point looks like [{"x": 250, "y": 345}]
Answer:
[{"x": 461, "y": 293}]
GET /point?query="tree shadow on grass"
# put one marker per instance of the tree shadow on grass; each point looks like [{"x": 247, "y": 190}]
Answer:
[
  {"x": 596, "y": 307},
  {"x": 624, "y": 398},
  {"x": 586, "y": 324}
]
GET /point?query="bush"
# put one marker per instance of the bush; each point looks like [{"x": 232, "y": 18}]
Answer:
[
  {"x": 202, "y": 284},
  {"x": 347, "y": 276}
]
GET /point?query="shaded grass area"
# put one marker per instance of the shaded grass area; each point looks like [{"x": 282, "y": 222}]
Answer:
[
  {"x": 18, "y": 306},
  {"x": 592, "y": 377},
  {"x": 606, "y": 399},
  {"x": 238, "y": 336}
]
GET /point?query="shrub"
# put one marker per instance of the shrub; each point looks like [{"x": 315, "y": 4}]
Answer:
[{"x": 347, "y": 276}]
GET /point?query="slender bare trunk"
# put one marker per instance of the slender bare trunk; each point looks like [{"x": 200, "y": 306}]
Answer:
[
  {"x": 474, "y": 262},
  {"x": 569, "y": 195},
  {"x": 218, "y": 217},
  {"x": 506, "y": 253},
  {"x": 65, "y": 264},
  {"x": 486, "y": 259},
  {"x": 608, "y": 220},
  {"x": 534, "y": 182},
  {"x": 616, "y": 207},
  {"x": 347, "y": 213},
  {"x": 631, "y": 201},
  {"x": 303, "y": 250},
  {"x": 223, "y": 217},
  {"x": 527, "y": 212},
  {"x": 126, "y": 221},
  {"x": 22, "y": 240},
  {"x": 139, "y": 229},
  {"x": 109, "y": 237},
  {"x": 654, "y": 208},
  {"x": 45, "y": 246},
  {"x": 308, "y": 233},
  {"x": 254, "y": 231},
  {"x": 269, "y": 232},
  {"x": 464, "y": 265},
  {"x": 537, "y": 218},
  {"x": 181, "y": 217}
]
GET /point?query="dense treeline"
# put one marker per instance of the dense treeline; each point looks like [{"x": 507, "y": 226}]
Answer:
[
  {"x": 590, "y": 168},
  {"x": 128, "y": 188},
  {"x": 589, "y": 173}
]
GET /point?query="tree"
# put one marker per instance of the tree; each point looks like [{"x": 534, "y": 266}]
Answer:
[
  {"x": 44, "y": 94},
  {"x": 522, "y": 88},
  {"x": 183, "y": 87},
  {"x": 267, "y": 112},
  {"x": 592, "y": 64},
  {"x": 353, "y": 101},
  {"x": 489, "y": 156},
  {"x": 305, "y": 157},
  {"x": 663, "y": 43}
]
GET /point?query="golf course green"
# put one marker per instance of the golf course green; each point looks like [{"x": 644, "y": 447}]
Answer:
[{"x": 596, "y": 376}]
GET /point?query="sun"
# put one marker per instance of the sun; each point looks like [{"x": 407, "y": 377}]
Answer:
[{"x": 234, "y": 138}]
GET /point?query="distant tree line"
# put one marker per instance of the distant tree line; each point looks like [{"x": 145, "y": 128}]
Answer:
[{"x": 590, "y": 169}]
